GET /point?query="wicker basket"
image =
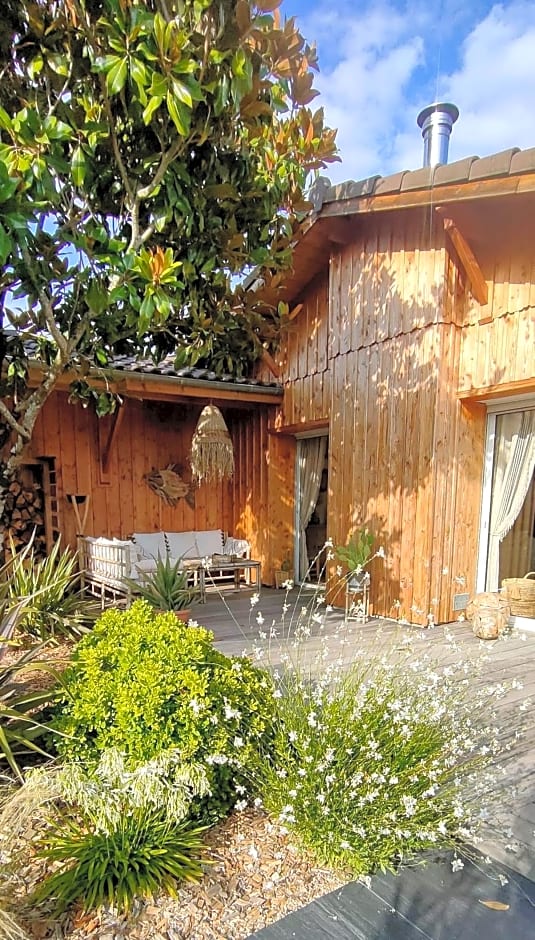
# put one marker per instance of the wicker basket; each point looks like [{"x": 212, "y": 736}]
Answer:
[{"x": 521, "y": 595}]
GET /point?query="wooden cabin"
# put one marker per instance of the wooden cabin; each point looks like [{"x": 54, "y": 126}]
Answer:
[
  {"x": 410, "y": 345},
  {"x": 406, "y": 364}
]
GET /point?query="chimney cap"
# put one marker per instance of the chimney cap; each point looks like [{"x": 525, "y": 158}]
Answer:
[{"x": 438, "y": 106}]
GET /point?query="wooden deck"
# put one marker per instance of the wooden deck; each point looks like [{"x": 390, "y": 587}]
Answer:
[{"x": 233, "y": 620}]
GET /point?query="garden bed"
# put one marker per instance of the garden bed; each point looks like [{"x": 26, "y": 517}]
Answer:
[{"x": 257, "y": 877}]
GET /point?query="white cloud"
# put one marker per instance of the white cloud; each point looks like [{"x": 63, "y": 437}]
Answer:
[
  {"x": 380, "y": 65},
  {"x": 495, "y": 85}
]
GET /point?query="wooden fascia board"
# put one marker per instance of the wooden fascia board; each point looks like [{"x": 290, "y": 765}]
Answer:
[
  {"x": 447, "y": 193},
  {"x": 478, "y": 284},
  {"x": 168, "y": 388},
  {"x": 142, "y": 386}
]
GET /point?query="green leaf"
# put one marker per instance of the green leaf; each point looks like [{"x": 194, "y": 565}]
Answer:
[
  {"x": 5, "y": 120},
  {"x": 97, "y": 297},
  {"x": 180, "y": 115},
  {"x": 116, "y": 76},
  {"x": 5, "y": 245},
  {"x": 78, "y": 166},
  {"x": 158, "y": 86},
  {"x": 152, "y": 106},
  {"x": 181, "y": 92}
]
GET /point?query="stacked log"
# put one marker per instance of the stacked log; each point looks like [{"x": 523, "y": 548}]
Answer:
[{"x": 24, "y": 513}]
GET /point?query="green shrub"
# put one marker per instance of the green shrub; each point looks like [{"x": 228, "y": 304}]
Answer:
[
  {"x": 143, "y": 854},
  {"x": 53, "y": 606},
  {"x": 143, "y": 683}
]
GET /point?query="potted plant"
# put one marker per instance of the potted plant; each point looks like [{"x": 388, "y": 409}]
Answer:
[
  {"x": 166, "y": 588},
  {"x": 284, "y": 573},
  {"x": 355, "y": 555}
]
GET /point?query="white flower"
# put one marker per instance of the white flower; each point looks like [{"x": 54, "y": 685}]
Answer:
[
  {"x": 260, "y": 620},
  {"x": 241, "y": 805},
  {"x": 195, "y": 707},
  {"x": 254, "y": 600},
  {"x": 277, "y": 693},
  {"x": 344, "y": 844},
  {"x": 238, "y": 742},
  {"x": 457, "y": 864},
  {"x": 311, "y": 719}
]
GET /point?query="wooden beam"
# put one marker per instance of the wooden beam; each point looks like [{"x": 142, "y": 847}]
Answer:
[
  {"x": 117, "y": 420},
  {"x": 478, "y": 284},
  {"x": 322, "y": 424},
  {"x": 295, "y": 311},
  {"x": 269, "y": 361},
  {"x": 340, "y": 231}
]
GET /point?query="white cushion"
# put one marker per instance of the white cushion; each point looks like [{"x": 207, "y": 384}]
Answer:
[
  {"x": 150, "y": 544},
  {"x": 209, "y": 542},
  {"x": 182, "y": 544},
  {"x": 239, "y": 547}
]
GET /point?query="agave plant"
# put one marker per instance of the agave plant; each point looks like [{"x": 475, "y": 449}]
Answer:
[
  {"x": 49, "y": 589},
  {"x": 22, "y": 724},
  {"x": 166, "y": 588}
]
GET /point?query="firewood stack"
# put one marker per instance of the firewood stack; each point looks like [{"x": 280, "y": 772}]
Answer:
[{"x": 24, "y": 513}]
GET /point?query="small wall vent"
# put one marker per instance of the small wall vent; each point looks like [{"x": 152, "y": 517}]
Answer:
[{"x": 460, "y": 601}]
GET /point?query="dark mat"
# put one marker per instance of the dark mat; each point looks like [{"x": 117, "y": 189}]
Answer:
[{"x": 424, "y": 903}]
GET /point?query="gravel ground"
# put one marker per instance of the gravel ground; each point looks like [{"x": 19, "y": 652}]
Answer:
[{"x": 257, "y": 877}]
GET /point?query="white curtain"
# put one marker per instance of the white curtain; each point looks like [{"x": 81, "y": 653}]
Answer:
[
  {"x": 311, "y": 463},
  {"x": 514, "y": 462}
]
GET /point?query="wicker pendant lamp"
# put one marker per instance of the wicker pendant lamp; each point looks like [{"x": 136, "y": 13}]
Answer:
[{"x": 212, "y": 453}]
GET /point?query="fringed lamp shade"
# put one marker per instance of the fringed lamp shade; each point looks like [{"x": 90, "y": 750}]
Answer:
[{"x": 212, "y": 454}]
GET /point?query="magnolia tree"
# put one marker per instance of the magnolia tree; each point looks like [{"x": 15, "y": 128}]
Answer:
[{"x": 151, "y": 152}]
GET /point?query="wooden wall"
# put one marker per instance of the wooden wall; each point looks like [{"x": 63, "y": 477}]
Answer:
[
  {"x": 383, "y": 344},
  {"x": 151, "y": 436}
]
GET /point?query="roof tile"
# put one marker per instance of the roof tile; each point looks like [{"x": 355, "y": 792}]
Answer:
[
  {"x": 390, "y": 184},
  {"x": 523, "y": 161},
  {"x": 418, "y": 179},
  {"x": 498, "y": 164},
  {"x": 457, "y": 172},
  {"x": 352, "y": 189}
]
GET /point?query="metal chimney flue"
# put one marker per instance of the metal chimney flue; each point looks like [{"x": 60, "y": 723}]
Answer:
[{"x": 436, "y": 122}]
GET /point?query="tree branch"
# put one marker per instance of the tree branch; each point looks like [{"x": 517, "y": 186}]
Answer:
[
  {"x": 146, "y": 191},
  {"x": 46, "y": 305},
  {"x": 13, "y": 423}
]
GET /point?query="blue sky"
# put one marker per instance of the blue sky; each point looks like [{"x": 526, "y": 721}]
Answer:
[{"x": 382, "y": 61}]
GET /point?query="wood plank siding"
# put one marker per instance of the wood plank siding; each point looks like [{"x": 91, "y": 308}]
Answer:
[
  {"x": 387, "y": 338},
  {"x": 151, "y": 436}
]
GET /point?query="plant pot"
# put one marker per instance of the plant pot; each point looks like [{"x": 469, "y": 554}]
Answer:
[
  {"x": 358, "y": 581},
  {"x": 489, "y": 614},
  {"x": 183, "y": 615},
  {"x": 282, "y": 576}
]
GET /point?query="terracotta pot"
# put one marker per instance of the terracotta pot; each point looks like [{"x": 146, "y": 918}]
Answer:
[{"x": 183, "y": 615}]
